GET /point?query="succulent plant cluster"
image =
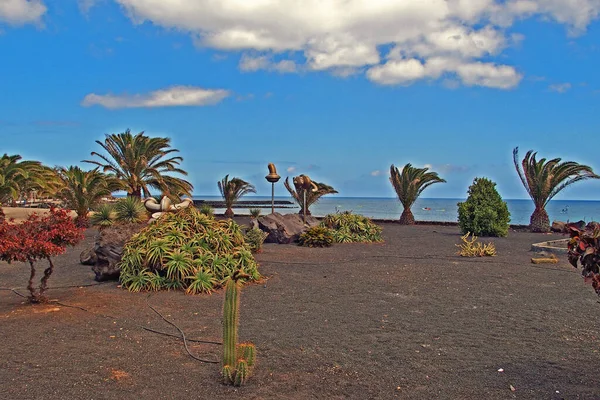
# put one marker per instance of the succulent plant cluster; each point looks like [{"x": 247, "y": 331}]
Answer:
[
  {"x": 472, "y": 248},
  {"x": 348, "y": 228},
  {"x": 186, "y": 250},
  {"x": 317, "y": 236}
]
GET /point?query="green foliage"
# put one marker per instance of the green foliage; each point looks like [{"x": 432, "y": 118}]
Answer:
[
  {"x": 543, "y": 179},
  {"x": 317, "y": 236},
  {"x": 18, "y": 178},
  {"x": 242, "y": 356},
  {"x": 104, "y": 216},
  {"x": 255, "y": 239},
  {"x": 409, "y": 184},
  {"x": 140, "y": 162},
  {"x": 255, "y": 212},
  {"x": 483, "y": 213},
  {"x": 232, "y": 190},
  {"x": 186, "y": 250},
  {"x": 207, "y": 210},
  {"x": 130, "y": 210},
  {"x": 83, "y": 190},
  {"x": 347, "y": 228}
]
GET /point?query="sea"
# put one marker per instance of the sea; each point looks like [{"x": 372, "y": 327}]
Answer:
[{"x": 427, "y": 209}]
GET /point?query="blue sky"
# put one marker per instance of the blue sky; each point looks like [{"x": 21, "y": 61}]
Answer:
[{"x": 338, "y": 90}]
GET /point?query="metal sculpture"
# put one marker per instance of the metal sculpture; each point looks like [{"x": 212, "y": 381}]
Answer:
[
  {"x": 273, "y": 178},
  {"x": 166, "y": 205},
  {"x": 304, "y": 184}
]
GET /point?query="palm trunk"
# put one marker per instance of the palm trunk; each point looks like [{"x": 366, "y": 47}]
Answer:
[
  {"x": 136, "y": 193},
  {"x": 229, "y": 212},
  {"x": 539, "y": 221},
  {"x": 407, "y": 217}
]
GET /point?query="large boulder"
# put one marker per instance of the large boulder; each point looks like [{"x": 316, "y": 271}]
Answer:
[
  {"x": 284, "y": 228},
  {"x": 109, "y": 250},
  {"x": 558, "y": 226}
]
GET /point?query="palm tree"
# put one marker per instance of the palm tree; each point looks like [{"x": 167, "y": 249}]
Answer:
[
  {"x": 140, "y": 163},
  {"x": 409, "y": 184},
  {"x": 17, "y": 177},
  {"x": 232, "y": 190},
  {"x": 83, "y": 190},
  {"x": 311, "y": 197},
  {"x": 545, "y": 179}
]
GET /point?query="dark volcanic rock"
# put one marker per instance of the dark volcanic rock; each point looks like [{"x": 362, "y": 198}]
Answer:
[
  {"x": 88, "y": 257},
  {"x": 558, "y": 226},
  {"x": 109, "y": 249},
  {"x": 284, "y": 228}
]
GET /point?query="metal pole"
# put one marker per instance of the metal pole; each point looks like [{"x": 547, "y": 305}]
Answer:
[
  {"x": 304, "y": 209},
  {"x": 272, "y": 197}
]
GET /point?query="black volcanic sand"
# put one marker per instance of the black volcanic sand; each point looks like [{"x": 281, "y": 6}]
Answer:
[{"x": 407, "y": 319}]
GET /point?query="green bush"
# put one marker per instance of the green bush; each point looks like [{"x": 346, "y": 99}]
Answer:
[
  {"x": 317, "y": 236},
  {"x": 483, "y": 213},
  {"x": 130, "y": 209},
  {"x": 255, "y": 212},
  {"x": 104, "y": 216},
  {"x": 186, "y": 250},
  {"x": 255, "y": 239},
  {"x": 348, "y": 228},
  {"x": 207, "y": 209}
]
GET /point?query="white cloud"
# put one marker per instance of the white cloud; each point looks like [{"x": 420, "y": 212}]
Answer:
[
  {"x": 170, "y": 97},
  {"x": 396, "y": 42},
  {"x": 376, "y": 173},
  {"x": 19, "y": 12},
  {"x": 250, "y": 63},
  {"x": 291, "y": 169},
  {"x": 560, "y": 87}
]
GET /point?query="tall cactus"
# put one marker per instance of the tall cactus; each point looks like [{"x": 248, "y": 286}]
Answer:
[{"x": 238, "y": 360}]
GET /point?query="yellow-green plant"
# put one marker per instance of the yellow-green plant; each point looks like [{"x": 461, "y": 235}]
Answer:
[
  {"x": 472, "y": 248},
  {"x": 238, "y": 359},
  {"x": 317, "y": 236},
  {"x": 186, "y": 250},
  {"x": 255, "y": 238},
  {"x": 347, "y": 228}
]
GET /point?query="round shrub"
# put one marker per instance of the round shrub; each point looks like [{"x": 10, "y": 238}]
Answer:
[
  {"x": 317, "y": 236},
  {"x": 186, "y": 250},
  {"x": 348, "y": 228},
  {"x": 483, "y": 213},
  {"x": 255, "y": 239}
]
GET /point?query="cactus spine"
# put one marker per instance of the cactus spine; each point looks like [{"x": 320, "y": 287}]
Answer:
[{"x": 237, "y": 359}]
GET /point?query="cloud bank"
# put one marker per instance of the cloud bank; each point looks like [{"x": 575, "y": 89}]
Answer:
[
  {"x": 395, "y": 42},
  {"x": 170, "y": 97},
  {"x": 20, "y": 12}
]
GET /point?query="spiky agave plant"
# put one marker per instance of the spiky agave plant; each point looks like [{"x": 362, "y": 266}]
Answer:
[
  {"x": 104, "y": 216},
  {"x": 130, "y": 209},
  {"x": 311, "y": 197},
  {"x": 543, "y": 179},
  {"x": 409, "y": 184},
  {"x": 232, "y": 190}
]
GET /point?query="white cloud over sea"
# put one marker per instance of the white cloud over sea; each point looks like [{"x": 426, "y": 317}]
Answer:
[
  {"x": 169, "y": 97},
  {"x": 393, "y": 42}
]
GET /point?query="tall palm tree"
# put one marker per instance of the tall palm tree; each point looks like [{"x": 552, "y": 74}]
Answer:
[
  {"x": 232, "y": 190},
  {"x": 17, "y": 177},
  {"x": 409, "y": 184},
  {"x": 83, "y": 190},
  {"x": 141, "y": 163},
  {"x": 545, "y": 179},
  {"x": 311, "y": 197}
]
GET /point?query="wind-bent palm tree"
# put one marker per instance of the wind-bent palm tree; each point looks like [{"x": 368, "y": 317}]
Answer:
[
  {"x": 311, "y": 197},
  {"x": 232, "y": 190},
  {"x": 82, "y": 190},
  {"x": 409, "y": 184},
  {"x": 17, "y": 178},
  {"x": 545, "y": 179},
  {"x": 141, "y": 163}
]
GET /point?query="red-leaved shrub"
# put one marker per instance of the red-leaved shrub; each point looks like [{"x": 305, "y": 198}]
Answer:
[{"x": 35, "y": 239}]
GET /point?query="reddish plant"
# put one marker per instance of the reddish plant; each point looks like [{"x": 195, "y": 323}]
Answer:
[
  {"x": 35, "y": 239},
  {"x": 584, "y": 247}
]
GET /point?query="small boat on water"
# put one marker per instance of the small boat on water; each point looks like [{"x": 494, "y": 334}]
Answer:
[{"x": 427, "y": 208}]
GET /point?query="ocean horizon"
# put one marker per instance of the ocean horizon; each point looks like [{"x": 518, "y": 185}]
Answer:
[{"x": 427, "y": 209}]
